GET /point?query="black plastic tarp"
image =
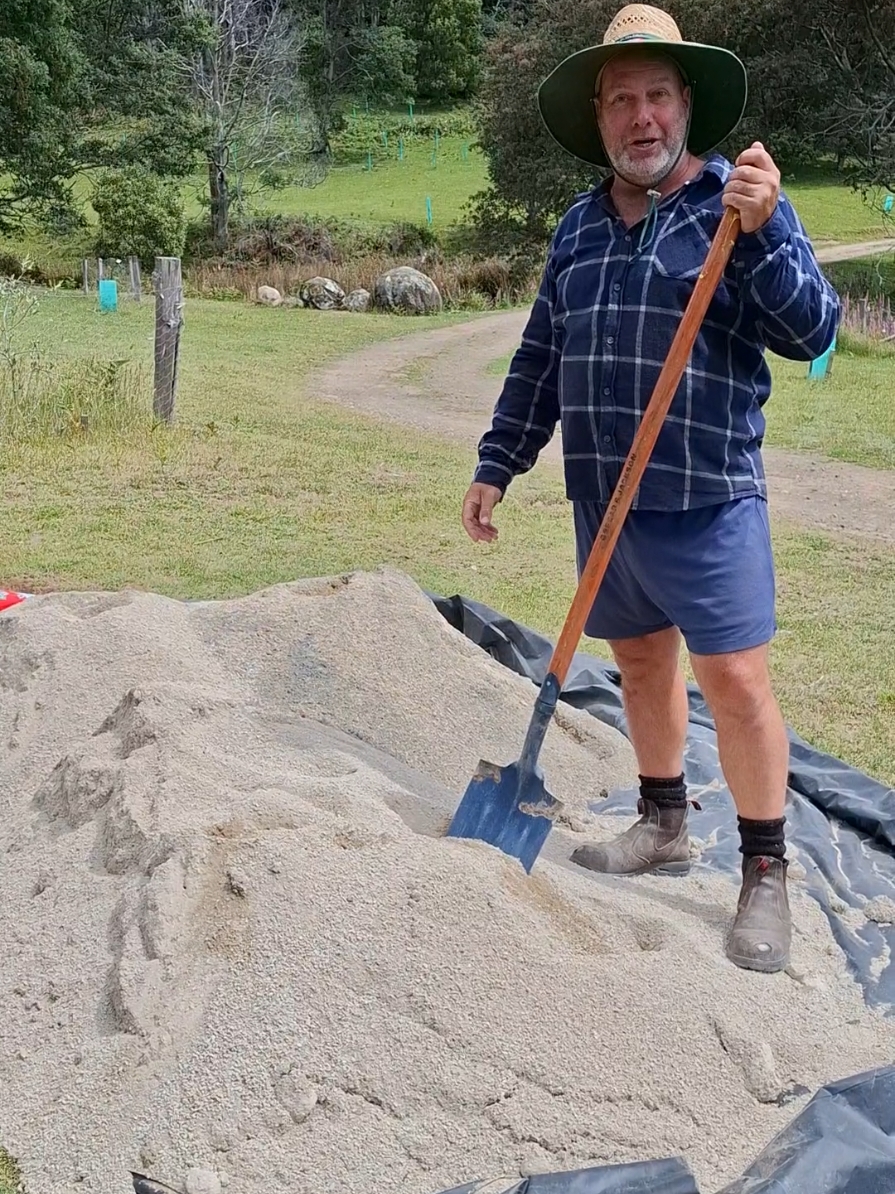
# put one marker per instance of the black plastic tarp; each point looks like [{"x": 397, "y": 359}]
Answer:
[
  {"x": 840, "y": 822},
  {"x": 670, "y": 1176},
  {"x": 842, "y": 1143}
]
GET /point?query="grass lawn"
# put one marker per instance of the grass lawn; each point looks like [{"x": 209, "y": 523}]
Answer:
[
  {"x": 258, "y": 484},
  {"x": 392, "y": 190},
  {"x": 395, "y": 190},
  {"x": 9, "y": 1174}
]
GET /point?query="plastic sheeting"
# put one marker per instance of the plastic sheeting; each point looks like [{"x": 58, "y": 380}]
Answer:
[
  {"x": 842, "y": 1143},
  {"x": 8, "y": 600},
  {"x": 646, "y": 1177},
  {"x": 840, "y": 822}
]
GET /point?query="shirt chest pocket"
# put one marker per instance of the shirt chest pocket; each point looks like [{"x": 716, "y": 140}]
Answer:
[{"x": 681, "y": 253}]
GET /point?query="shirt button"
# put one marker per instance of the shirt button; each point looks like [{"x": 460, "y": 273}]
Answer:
[
  {"x": 617, "y": 286},
  {"x": 606, "y": 391},
  {"x": 610, "y": 339},
  {"x": 607, "y": 439}
]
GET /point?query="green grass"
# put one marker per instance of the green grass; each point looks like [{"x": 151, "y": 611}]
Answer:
[
  {"x": 260, "y": 484},
  {"x": 10, "y": 1178},
  {"x": 849, "y": 416},
  {"x": 392, "y": 190},
  {"x": 833, "y": 213}
]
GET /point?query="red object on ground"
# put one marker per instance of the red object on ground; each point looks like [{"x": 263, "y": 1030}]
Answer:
[{"x": 8, "y": 600}]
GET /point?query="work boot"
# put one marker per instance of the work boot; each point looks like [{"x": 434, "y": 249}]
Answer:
[
  {"x": 658, "y": 842},
  {"x": 762, "y": 931}
]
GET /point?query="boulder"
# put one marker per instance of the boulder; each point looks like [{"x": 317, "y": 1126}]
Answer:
[
  {"x": 405, "y": 290},
  {"x": 358, "y": 301},
  {"x": 269, "y": 296},
  {"x": 322, "y": 293},
  {"x": 293, "y": 301}
]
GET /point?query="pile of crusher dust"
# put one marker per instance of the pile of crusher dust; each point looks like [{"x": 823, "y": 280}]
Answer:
[{"x": 239, "y": 955}]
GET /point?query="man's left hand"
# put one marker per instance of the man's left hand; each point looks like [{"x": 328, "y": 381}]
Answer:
[{"x": 753, "y": 187}]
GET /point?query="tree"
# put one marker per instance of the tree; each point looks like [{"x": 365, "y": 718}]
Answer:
[
  {"x": 140, "y": 108},
  {"x": 821, "y": 90},
  {"x": 140, "y": 215},
  {"x": 245, "y": 81},
  {"x": 448, "y": 37},
  {"x": 532, "y": 180},
  {"x": 822, "y": 83},
  {"x": 42, "y": 82},
  {"x": 354, "y": 50}
]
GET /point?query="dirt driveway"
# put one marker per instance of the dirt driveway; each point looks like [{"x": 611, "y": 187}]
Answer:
[{"x": 437, "y": 381}]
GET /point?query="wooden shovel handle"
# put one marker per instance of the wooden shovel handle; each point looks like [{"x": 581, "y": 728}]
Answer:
[{"x": 644, "y": 442}]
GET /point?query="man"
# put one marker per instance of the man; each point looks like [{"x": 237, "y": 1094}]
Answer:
[{"x": 694, "y": 559}]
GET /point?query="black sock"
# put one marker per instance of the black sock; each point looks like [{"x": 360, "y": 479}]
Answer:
[
  {"x": 762, "y": 839},
  {"x": 666, "y": 793}
]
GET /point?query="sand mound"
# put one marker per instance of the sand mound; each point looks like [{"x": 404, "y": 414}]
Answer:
[{"x": 236, "y": 950}]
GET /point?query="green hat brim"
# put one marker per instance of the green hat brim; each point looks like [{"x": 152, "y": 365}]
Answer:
[{"x": 719, "y": 84}]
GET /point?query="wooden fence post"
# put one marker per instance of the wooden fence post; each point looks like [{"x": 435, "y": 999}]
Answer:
[
  {"x": 136, "y": 280},
  {"x": 100, "y": 269},
  {"x": 85, "y": 274},
  {"x": 168, "y": 323}
]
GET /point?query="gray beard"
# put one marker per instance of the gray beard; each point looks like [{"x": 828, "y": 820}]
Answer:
[{"x": 647, "y": 175}]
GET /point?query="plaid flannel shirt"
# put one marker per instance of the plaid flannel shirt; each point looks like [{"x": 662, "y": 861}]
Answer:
[{"x": 601, "y": 328}]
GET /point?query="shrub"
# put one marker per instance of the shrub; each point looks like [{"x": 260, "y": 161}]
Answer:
[
  {"x": 140, "y": 215},
  {"x": 296, "y": 240}
]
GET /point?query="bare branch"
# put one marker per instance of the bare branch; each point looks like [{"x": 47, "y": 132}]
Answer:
[{"x": 884, "y": 54}]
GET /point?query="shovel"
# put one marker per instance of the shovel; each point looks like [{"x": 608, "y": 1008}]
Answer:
[{"x": 510, "y": 807}]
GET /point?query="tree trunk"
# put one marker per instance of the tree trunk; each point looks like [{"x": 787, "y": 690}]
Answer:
[{"x": 219, "y": 194}]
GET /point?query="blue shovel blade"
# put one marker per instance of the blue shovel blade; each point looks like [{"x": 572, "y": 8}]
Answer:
[{"x": 507, "y": 807}]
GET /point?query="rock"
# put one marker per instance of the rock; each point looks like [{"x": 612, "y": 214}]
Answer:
[
  {"x": 222, "y": 1138},
  {"x": 202, "y": 1181},
  {"x": 297, "y": 1096},
  {"x": 358, "y": 301},
  {"x": 237, "y": 882},
  {"x": 269, "y": 296},
  {"x": 293, "y": 302},
  {"x": 405, "y": 290},
  {"x": 322, "y": 293}
]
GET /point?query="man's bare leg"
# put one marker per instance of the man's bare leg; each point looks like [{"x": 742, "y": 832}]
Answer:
[
  {"x": 752, "y": 740},
  {"x": 655, "y": 699},
  {"x": 754, "y": 754}
]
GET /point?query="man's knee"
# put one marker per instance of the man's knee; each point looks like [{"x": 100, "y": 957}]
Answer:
[
  {"x": 651, "y": 660},
  {"x": 737, "y": 685}
]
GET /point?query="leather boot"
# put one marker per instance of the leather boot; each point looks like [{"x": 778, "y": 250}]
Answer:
[
  {"x": 762, "y": 931},
  {"x": 657, "y": 842}
]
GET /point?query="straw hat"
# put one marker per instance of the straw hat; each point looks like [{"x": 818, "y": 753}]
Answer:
[{"x": 717, "y": 78}]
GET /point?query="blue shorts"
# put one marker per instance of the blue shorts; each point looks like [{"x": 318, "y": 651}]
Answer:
[{"x": 708, "y": 571}]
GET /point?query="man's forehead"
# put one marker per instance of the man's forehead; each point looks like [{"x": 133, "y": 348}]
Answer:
[{"x": 650, "y": 66}]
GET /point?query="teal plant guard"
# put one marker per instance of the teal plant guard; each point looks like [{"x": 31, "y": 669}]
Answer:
[
  {"x": 108, "y": 295},
  {"x": 822, "y": 366}
]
